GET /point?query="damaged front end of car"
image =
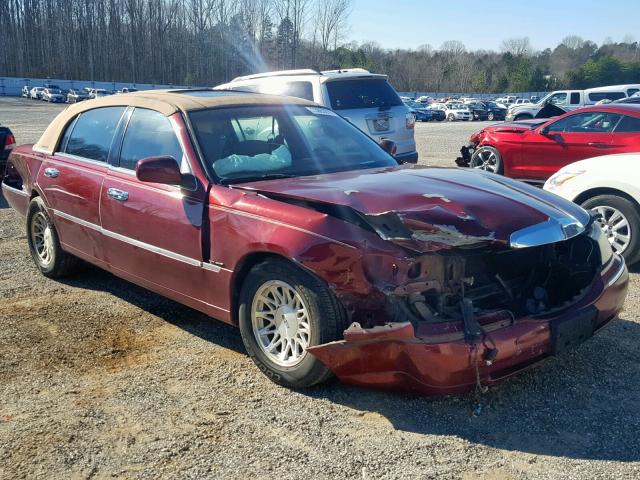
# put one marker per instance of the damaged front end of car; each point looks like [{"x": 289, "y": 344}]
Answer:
[
  {"x": 473, "y": 297},
  {"x": 463, "y": 310}
]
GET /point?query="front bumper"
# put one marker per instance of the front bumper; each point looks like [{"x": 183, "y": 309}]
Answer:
[
  {"x": 467, "y": 152},
  {"x": 434, "y": 359}
]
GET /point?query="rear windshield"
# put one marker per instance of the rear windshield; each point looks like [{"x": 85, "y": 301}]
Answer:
[{"x": 362, "y": 93}]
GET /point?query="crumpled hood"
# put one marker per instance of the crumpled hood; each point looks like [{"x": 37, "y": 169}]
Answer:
[{"x": 426, "y": 208}]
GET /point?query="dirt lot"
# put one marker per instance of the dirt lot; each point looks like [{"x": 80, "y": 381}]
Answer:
[{"x": 102, "y": 379}]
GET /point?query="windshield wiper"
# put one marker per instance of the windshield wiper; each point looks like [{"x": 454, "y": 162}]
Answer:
[{"x": 256, "y": 178}]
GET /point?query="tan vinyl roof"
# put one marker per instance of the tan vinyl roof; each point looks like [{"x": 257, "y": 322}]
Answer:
[{"x": 166, "y": 102}]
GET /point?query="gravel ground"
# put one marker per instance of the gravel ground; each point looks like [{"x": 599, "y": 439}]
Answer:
[{"x": 102, "y": 379}]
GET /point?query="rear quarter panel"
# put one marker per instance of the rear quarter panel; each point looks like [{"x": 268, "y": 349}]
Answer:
[{"x": 19, "y": 181}]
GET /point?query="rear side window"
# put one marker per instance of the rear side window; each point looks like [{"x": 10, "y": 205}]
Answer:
[
  {"x": 92, "y": 133},
  {"x": 149, "y": 134},
  {"x": 628, "y": 125},
  {"x": 362, "y": 93},
  {"x": 597, "y": 96}
]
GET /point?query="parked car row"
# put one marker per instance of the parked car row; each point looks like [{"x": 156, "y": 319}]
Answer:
[{"x": 55, "y": 94}]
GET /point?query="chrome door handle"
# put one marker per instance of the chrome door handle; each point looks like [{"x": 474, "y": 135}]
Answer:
[
  {"x": 51, "y": 172},
  {"x": 598, "y": 145},
  {"x": 119, "y": 195}
]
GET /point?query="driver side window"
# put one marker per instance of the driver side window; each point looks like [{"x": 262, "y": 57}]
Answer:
[
  {"x": 587, "y": 122},
  {"x": 559, "y": 99},
  {"x": 150, "y": 134}
]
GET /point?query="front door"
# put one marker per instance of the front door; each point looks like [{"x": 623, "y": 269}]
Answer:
[
  {"x": 153, "y": 233},
  {"x": 564, "y": 141}
]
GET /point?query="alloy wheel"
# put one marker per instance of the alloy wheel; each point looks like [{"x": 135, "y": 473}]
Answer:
[
  {"x": 486, "y": 160},
  {"x": 42, "y": 238},
  {"x": 615, "y": 226},
  {"x": 280, "y": 321}
]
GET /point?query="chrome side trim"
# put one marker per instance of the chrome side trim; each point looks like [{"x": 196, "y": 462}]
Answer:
[
  {"x": 15, "y": 190},
  {"x": 152, "y": 248},
  {"x": 137, "y": 243},
  {"x": 618, "y": 274}
]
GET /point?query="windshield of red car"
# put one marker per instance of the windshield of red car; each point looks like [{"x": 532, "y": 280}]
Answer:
[{"x": 257, "y": 142}]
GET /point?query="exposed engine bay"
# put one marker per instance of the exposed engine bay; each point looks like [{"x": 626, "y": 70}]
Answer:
[{"x": 523, "y": 282}]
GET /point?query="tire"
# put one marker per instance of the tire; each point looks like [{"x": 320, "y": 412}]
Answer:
[
  {"x": 325, "y": 322},
  {"x": 451, "y": 117},
  {"x": 488, "y": 159},
  {"x": 607, "y": 204},
  {"x": 56, "y": 262},
  {"x": 490, "y": 116},
  {"x": 524, "y": 116}
]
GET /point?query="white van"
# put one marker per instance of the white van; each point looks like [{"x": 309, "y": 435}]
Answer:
[
  {"x": 568, "y": 100},
  {"x": 365, "y": 99}
]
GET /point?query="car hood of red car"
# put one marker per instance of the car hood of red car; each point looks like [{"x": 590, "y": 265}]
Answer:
[
  {"x": 518, "y": 126},
  {"x": 426, "y": 208}
]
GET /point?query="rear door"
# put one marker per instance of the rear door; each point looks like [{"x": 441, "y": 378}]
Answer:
[
  {"x": 154, "y": 233},
  {"x": 567, "y": 140},
  {"x": 71, "y": 180}
]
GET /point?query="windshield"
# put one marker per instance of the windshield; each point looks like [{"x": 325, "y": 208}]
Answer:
[
  {"x": 256, "y": 143},
  {"x": 54, "y": 90},
  {"x": 362, "y": 93}
]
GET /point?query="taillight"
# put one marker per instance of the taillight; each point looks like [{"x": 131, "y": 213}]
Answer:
[
  {"x": 9, "y": 142},
  {"x": 411, "y": 121}
]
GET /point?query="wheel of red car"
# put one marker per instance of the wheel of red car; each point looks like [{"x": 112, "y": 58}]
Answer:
[
  {"x": 488, "y": 159},
  {"x": 620, "y": 222},
  {"x": 44, "y": 246},
  {"x": 283, "y": 311}
]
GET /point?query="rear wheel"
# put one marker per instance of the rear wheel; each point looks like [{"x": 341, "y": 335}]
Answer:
[
  {"x": 620, "y": 222},
  {"x": 490, "y": 116},
  {"x": 283, "y": 311},
  {"x": 488, "y": 159},
  {"x": 44, "y": 245}
]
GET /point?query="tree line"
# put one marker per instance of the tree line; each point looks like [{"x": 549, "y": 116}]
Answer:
[{"x": 207, "y": 42}]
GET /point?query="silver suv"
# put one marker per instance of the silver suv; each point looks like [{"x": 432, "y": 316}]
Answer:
[{"x": 367, "y": 100}]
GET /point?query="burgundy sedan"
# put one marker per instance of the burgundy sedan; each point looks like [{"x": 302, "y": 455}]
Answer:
[
  {"x": 533, "y": 150},
  {"x": 278, "y": 216}
]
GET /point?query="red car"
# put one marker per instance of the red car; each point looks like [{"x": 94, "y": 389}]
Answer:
[
  {"x": 280, "y": 217},
  {"x": 533, "y": 150}
]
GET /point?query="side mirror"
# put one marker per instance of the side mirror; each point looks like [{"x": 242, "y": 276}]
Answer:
[
  {"x": 163, "y": 170},
  {"x": 388, "y": 146},
  {"x": 544, "y": 131}
]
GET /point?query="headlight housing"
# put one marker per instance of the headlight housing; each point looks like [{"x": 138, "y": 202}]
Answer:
[{"x": 560, "y": 178}]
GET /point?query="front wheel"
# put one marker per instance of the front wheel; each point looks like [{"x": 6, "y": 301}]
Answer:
[
  {"x": 451, "y": 117},
  {"x": 620, "y": 222},
  {"x": 283, "y": 311},
  {"x": 44, "y": 245},
  {"x": 490, "y": 116},
  {"x": 488, "y": 159}
]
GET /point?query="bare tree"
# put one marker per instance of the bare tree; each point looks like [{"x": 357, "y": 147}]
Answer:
[{"x": 517, "y": 46}]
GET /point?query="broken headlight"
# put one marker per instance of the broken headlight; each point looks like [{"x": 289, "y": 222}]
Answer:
[{"x": 596, "y": 233}]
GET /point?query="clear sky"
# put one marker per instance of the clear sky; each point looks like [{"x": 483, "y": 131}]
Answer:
[{"x": 483, "y": 24}]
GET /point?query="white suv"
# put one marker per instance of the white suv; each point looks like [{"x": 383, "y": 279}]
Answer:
[{"x": 366, "y": 100}]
